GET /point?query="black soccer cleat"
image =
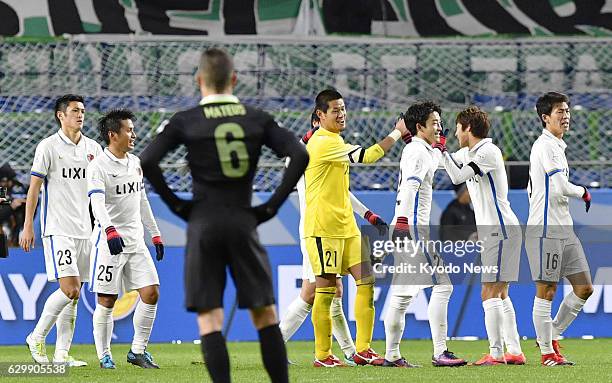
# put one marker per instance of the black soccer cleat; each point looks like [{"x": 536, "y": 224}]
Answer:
[{"x": 144, "y": 360}]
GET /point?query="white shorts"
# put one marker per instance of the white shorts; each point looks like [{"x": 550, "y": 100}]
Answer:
[
  {"x": 502, "y": 258},
  {"x": 551, "y": 259},
  {"x": 66, "y": 257},
  {"x": 114, "y": 274},
  {"x": 401, "y": 290},
  {"x": 420, "y": 269}
]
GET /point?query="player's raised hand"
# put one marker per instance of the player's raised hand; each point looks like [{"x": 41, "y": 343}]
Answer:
[
  {"x": 586, "y": 197},
  {"x": 441, "y": 145},
  {"x": 114, "y": 240},
  {"x": 400, "y": 125},
  {"x": 377, "y": 222},
  {"x": 406, "y": 136},
  {"x": 26, "y": 239},
  {"x": 159, "y": 247}
]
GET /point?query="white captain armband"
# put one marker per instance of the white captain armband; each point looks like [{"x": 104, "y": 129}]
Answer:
[{"x": 356, "y": 154}]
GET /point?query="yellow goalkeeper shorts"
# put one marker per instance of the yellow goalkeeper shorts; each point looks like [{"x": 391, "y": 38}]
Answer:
[{"x": 333, "y": 255}]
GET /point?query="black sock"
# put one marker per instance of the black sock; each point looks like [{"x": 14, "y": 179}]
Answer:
[
  {"x": 274, "y": 354},
  {"x": 216, "y": 357}
]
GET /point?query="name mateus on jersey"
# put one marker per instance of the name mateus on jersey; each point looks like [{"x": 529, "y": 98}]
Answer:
[
  {"x": 224, "y": 110},
  {"x": 129, "y": 187},
  {"x": 73, "y": 173}
]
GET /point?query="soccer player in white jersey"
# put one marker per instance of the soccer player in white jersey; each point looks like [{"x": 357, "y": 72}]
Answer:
[
  {"x": 60, "y": 164},
  {"x": 418, "y": 164},
  {"x": 554, "y": 251},
  {"x": 120, "y": 259},
  {"x": 301, "y": 306},
  {"x": 479, "y": 163}
]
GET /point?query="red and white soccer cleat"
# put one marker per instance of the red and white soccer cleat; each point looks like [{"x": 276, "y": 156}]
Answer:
[
  {"x": 552, "y": 360},
  {"x": 557, "y": 347},
  {"x": 488, "y": 360},
  {"x": 329, "y": 362},
  {"x": 368, "y": 356},
  {"x": 515, "y": 359}
]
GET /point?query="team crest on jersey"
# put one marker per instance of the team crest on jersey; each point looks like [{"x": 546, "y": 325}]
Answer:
[
  {"x": 90, "y": 157},
  {"x": 418, "y": 165}
]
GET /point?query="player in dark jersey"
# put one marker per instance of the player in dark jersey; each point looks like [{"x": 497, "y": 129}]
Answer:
[{"x": 224, "y": 139}]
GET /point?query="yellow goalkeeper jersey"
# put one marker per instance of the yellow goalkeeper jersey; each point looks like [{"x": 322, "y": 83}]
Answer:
[{"x": 328, "y": 208}]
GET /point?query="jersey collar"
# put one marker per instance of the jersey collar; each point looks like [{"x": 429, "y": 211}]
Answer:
[
  {"x": 115, "y": 159},
  {"x": 480, "y": 143},
  {"x": 558, "y": 141},
  {"x": 422, "y": 142},
  {"x": 67, "y": 140},
  {"x": 326, "y": 132},
  {"x": 219, "y": 98}
]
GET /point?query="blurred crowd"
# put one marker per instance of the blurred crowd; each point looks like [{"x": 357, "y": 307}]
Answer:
[{"x": 12, "y": 206}]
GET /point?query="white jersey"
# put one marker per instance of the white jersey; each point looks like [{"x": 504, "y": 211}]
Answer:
[
  {"x": 488, "y": 190},
  {"x": 418, "y": 165},
  {"x": 126, "y": 207},
  {"x": 549, "y": 189},
  {"x": 62, "y": 166}
]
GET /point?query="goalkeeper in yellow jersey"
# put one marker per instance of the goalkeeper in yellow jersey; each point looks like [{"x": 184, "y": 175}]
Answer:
[{"x": 333, "y": 241}]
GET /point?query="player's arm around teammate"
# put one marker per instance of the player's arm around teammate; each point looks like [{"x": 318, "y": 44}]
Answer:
[
  {"x": 333, "y": 240},
  {"x": 498, "y": 227},
  {"x": 301, "y": 306}
]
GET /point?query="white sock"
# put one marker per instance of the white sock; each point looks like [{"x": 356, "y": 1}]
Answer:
[
  {"x": 511, "y": 335},
  {"x": 437, "y": 314},
  {"x": 103, "y": 330},
  {"x": 494, "y": 313},
  {"x": 53, "y": 307},
  {"x": 144, "y": 315},
  {"x": 568, "y": 311},
  {"x": 65, "y": 329},
  {"x": 395, "y": 320},
  {"x": 543, "y": 324},
  {"x": 296, "y": 314},
  {"x": 340, "y": 328}
]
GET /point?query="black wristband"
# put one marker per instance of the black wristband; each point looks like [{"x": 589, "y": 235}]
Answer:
[{"x": 476, "y": 168}]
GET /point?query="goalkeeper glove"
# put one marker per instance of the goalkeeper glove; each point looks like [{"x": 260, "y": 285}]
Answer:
[
  {"x": 308, "y": 134},
  {"x": 375, "y": 220},
  {"x": 441, "y": 145},
  {"x": 159, "y": 247},
  {"x": 114, "y": 240},
  {"x": 406, "y": 137},
  {"x": 586, "y": 197},
  {"x": 402, "y": 228}
]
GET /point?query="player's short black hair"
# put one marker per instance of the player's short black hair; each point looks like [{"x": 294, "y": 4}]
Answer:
[
  {"x": 111, "y": 122},
  {"x": 324, "y": 97},
  {"x": 547, "y": 102},
  {"x": 314, "y": 118},
  {"x": 61, "y": 104},
  {"x": 477, "y": 119},
  {"x": 216, "y": 68},
  {"x": 419, "y": 113}
]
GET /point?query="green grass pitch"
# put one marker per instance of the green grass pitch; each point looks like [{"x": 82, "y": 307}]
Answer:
[{"x": 182, "y": 363}]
